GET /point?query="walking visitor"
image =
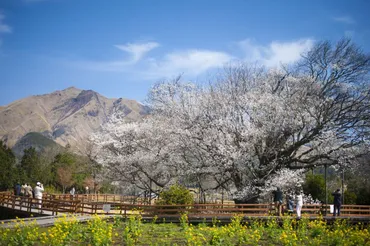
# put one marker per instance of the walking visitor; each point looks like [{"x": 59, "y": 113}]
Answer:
[
  {"x": 337, "y": 202},
  {"x": 39, "y": 188},
  {"x": 299, "y": 204},
  {"x": 278, "y": 200}
]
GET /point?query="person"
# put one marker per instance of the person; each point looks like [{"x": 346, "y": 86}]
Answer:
[
  {"x": 39, "y": 188},
  {"x": 72, "y": 192},
  {"x": 299, "y": 204},
  {"x": 17, "y": 189},
  {"x": 22, "y": 192},
  {"x": 289, "y": 204},
  {"x": 278, "y": 199},
  {"x": 28, "y": 191},
  {"x": 337, "y": 201},
  {"x": 87, "y": 189}
]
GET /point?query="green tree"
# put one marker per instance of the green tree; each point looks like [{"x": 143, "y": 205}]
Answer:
[
  {"x": 30, "y": 169},
  {"x": 73, "y": 165},
  {"x": 46, "y": 158},
  {"x": 358, "y": 190},
  {"x": 63, "y": 164},
  {"x": 7, "y": 167},
  {"x": 315, "y": 185}
]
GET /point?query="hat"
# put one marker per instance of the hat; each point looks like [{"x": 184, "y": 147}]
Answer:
[{"x": 38, "y": 183}]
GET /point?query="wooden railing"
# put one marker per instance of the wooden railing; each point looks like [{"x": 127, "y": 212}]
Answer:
[
  {"x": 97, "y": 198},
  {"x": 110, "y": 204},
  {"x": 30, "y": 205}
]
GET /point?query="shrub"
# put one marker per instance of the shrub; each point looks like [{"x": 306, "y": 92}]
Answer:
[{"x": 175, "y": 195}]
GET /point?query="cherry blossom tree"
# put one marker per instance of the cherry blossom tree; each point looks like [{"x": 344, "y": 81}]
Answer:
[
  {"x": 136, "y": 153},
  {"x": 244, "y": 130}
]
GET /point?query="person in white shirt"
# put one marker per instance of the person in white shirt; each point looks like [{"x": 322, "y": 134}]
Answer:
[
  {"x": 39, "y": 188},
  {"x": 72, "y": 192},
  {"x": 299, "y": 204}
]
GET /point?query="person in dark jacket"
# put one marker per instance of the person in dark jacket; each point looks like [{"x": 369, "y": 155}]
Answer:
[
  {"x": 289, "y": 205},
  {"x": 278, "y": 199},
  {"x": 337, "y": 202},
  {"x": 17, "y": 189}
]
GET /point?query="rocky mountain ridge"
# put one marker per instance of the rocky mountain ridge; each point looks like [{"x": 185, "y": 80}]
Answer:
[{"x": 67, "y": 116}]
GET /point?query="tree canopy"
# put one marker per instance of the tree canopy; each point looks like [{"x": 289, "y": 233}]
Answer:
[
  {"x": 8, "y": 173},
  {"x": 248, "y": 125}
]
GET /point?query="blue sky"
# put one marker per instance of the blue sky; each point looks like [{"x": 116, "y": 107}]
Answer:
[{"x": 119, "y": 48}]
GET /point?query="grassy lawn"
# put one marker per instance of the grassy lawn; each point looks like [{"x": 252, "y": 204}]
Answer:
[{"x": 135, "y": 232}]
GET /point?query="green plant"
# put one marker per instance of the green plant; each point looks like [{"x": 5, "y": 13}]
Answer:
[
  {"x": 175, "y": 195},
  {"x": 24, "y": 234},
  {"x": 98, "y": 232},
  {"x": 184, "y": 221},
  {"x": 133, "y": 230}
]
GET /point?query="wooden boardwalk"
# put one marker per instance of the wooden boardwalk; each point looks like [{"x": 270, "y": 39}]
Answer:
[{"x": 112, "y": 205}]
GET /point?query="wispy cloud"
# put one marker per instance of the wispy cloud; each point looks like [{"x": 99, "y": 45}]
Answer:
[
  {"x": 344, "y": 19},
  {"x": 275, "y": 53},
  {"x": 195, "y": 62},
  {"x": 137, "y": 50},
  {"x": 4, "y": 28},
  {"x": 190, "y": 62}
]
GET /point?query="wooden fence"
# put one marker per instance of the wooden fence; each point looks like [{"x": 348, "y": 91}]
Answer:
[
  {"x": 98, "y": 198},
  {"x": 111, "y": 204},
  {"x": 33, "y": 205}
]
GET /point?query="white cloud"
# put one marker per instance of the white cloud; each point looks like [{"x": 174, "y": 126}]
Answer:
[
  {"x": 190, "y": 62},
  {"x": 3, "y": 27},
  {"x": 276, "y": 52},
  {"x": 344, "y": 19},
  {"x": 137, "y": 50},
  {"x": 195, "y": 62}
]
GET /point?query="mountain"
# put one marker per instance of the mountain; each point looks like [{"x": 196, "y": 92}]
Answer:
[
  {"x": 68, "y": 116},
  {"x": 36, "y": 140}
]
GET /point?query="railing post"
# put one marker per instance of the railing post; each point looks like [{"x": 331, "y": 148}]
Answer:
[
  {"x": 13, "y": 201},
  {"x": 77, "y": 206},
  {"x": 29, "y": 204}
]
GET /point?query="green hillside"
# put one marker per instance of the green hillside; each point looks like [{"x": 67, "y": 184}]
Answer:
[{"x": 36, "y": 140}]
